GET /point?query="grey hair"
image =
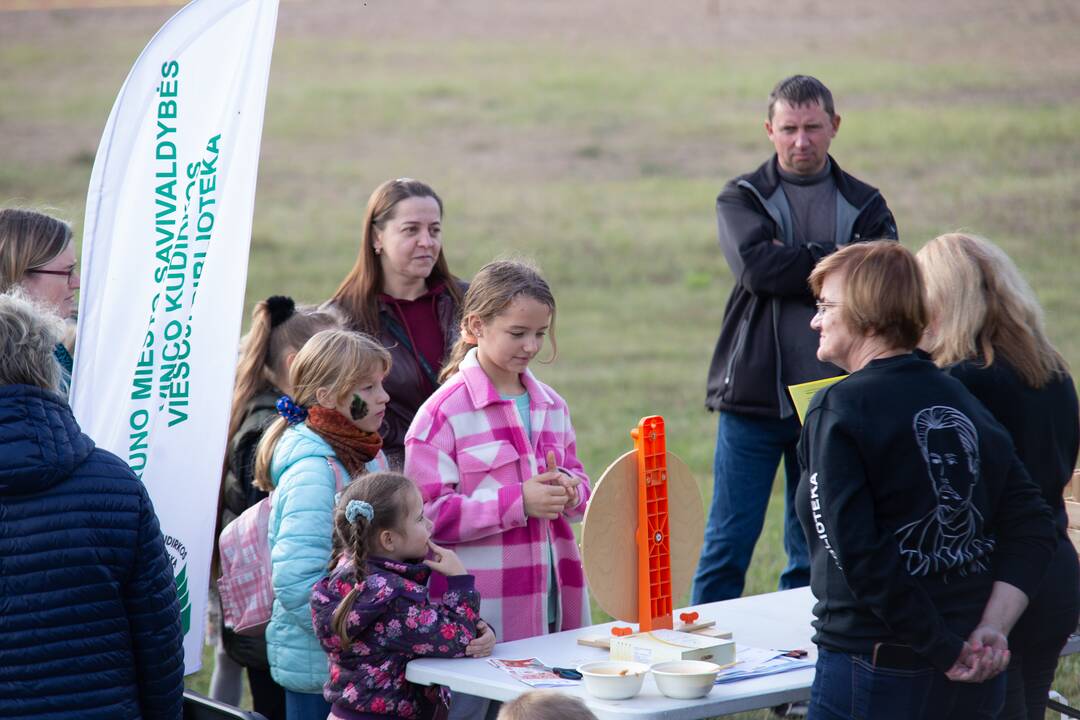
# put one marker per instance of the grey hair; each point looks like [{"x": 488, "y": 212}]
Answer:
[{"x": 28, "y": 336}]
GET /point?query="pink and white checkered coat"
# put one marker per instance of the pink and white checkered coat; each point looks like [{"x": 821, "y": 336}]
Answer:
[{"x": 467, "y": 451}]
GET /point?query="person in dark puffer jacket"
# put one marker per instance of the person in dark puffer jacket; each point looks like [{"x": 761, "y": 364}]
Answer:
[{"x": 89, "y": 620}]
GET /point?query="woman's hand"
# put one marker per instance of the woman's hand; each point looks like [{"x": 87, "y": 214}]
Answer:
[
  {"x": 444, "y": 561},
  {"x": 483, "y": 643},
  {"x": 985, "y": 654}
]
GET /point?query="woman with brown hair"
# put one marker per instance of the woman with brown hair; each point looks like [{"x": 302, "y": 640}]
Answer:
[
  {"x": 37, "y": 254},
  {"x": 986, "y": 329},
  {"x": 926, "y": 535},
  {"x": 401, "y": 292}
]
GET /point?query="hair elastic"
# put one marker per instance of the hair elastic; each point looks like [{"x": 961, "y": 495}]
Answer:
[
  {"x": 288, "y": 409},
  {"x": 281, "y": 308},
  {"x": 356, "y": 508}
]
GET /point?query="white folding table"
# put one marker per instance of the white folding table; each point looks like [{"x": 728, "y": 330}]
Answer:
[{"x": 779, "y": 620}]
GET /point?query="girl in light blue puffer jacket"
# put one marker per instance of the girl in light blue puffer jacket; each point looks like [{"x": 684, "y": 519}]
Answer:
[{"x": 326, "y": 435}]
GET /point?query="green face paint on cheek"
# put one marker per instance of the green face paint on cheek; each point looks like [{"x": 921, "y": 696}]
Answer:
[{"x": 358, "y": 409}]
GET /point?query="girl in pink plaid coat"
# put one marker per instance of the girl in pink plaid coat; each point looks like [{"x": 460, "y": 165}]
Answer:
[{"x": 494, "y": 455}]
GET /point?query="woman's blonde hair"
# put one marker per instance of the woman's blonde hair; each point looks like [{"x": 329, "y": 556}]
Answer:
[
  {"x": 983, "y": 307},
  {"x": 28, "y": 240},
  {"x": 490, "y": 292},
  {"x": 386, "y": 492},
  {"x": 357, "y": 295},
  {"x": 338, "y": 360}
]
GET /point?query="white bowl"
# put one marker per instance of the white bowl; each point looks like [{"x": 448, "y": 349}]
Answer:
[
  {"x": 685, "y": 679},
  {"x": 613, "y": 679}
]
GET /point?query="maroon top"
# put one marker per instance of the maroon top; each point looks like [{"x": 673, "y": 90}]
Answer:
[{"x": 420, "y": 320}]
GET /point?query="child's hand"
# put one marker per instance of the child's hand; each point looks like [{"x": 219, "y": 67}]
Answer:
[
  {"x": 544, "y": 496},
  {"x": 568, "y": 482},
  {"x": 483, "y": 643},
  {"x": 444, "y": 561}
]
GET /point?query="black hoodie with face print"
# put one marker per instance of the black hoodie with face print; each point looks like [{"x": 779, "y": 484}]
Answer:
[{"x": 913, "y": 502}]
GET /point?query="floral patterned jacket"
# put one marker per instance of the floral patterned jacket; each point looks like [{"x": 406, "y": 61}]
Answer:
[{"x": 392, "y": 622}]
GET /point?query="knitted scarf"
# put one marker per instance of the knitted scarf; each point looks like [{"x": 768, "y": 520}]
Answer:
[{"x": 354, "y": 447}]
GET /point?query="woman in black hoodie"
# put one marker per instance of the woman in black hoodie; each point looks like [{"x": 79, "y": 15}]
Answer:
[
  {"x": 986, "y": 329},
  {"x": 926, "y": 535}
]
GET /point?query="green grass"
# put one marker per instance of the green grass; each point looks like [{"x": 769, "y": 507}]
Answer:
[{"x": 594, "y": 138}]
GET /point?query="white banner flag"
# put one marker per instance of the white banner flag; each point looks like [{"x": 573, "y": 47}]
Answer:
[{"x": 164, "y": 266}]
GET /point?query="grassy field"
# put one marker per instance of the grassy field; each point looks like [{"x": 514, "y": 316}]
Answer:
[{"x": 594, "y": 137}]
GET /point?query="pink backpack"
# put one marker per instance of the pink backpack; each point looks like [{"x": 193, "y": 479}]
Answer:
[{"x": 247, "y": 594}]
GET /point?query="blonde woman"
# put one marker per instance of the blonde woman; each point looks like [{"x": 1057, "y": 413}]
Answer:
[
  {"x": 986, "y": 329},
  {"x": 38, "y": 256}
]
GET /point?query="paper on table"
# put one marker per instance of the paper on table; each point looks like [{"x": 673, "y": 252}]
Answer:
[
  {"x": 803, "y": 393},
  {"x": 532, "y": 672},
  {"x": 754, "y": 662}
]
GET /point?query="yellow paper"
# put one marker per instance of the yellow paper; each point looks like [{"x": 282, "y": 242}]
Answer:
[{"x": 803, "y": 393}]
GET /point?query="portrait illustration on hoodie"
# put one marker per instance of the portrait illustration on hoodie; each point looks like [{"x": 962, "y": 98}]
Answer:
[{"x": 950, "y": 537}]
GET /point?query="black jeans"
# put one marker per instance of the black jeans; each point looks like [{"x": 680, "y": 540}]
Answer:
[
  {"x": 1038, "y": 637},
  {"x": 267, "y": 697}
]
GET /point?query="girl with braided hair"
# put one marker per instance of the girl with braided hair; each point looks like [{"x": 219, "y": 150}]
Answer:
[{"x": 373, "y": 615}]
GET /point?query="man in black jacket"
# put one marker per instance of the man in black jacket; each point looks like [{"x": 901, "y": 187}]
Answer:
[{"x": 775, "y": 224}]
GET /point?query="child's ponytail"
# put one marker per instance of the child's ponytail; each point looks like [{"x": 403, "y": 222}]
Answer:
[
  {"x": 367, "y": 506},
  {"x": 457, "y": 354},
  {"x": 265, "y": 453},
  {"x": 357, "y": 546},
  {"x": 278, "y": 327}
]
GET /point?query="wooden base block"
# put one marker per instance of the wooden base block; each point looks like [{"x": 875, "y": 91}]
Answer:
[{"x": 705, "y": 627}]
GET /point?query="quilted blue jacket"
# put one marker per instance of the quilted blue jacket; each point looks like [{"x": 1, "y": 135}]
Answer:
[
  {"x": 300, "y": 535},
  {"x": 89, "y": 621}
]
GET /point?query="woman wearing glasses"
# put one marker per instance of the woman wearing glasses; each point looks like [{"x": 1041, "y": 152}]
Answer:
[
  {"x": 37, "y": 254},
  {"x": 926, "y": 535}
]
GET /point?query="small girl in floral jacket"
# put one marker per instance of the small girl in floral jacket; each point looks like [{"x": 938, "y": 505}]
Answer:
[{"x": 372, "y": 614}]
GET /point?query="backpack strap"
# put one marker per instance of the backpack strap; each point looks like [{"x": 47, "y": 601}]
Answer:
[{"x": 335, "y": 467}]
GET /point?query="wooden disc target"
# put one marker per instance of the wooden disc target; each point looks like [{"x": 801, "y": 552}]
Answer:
[{"x": 608, "y": 547}]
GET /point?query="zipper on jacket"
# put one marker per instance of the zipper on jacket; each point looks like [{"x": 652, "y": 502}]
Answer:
[{"x": 740, "y": 339}]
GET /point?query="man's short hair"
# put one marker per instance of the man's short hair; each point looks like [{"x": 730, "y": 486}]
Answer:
[
  {"x": 883, "y": 291},
  {"x": 28, "y": 337},
  {"x": 802, "y": 90}
]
